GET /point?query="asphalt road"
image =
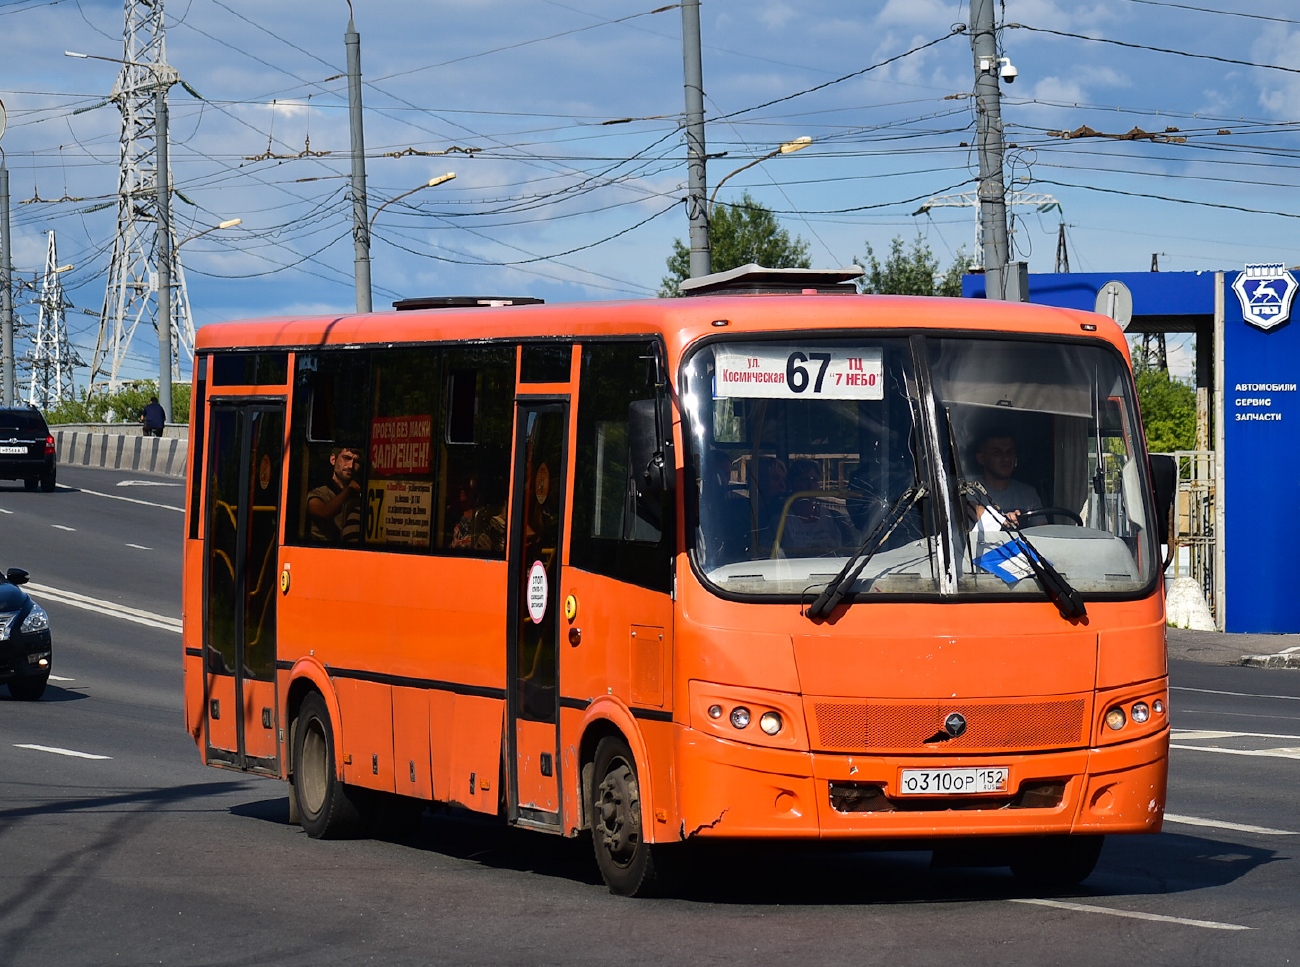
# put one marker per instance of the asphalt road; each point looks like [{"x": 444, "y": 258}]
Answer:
[{"x": 130, "y": 852}]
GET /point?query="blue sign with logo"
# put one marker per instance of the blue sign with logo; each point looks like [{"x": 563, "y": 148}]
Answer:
[{"x": 1261, "y": 444}]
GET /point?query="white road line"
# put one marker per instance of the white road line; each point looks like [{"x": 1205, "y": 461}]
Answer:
[
  {"x": 63, "y": 527},
  {"x": 3, "y": 511},
  {"x": 1188, "y": 734},
  {"x": 140, "y": 547},
  {"x": 49, "y": 748},
  {"x": 1257, "y": 753},
  {"x": 1215, "y": 691},
  {"x": 129, "y": 500},
  {"x": 1132, "y": 914},
  {"x": 60, "y": 678},
  {"x": 147, "y": 483},
  {"x": 99, "y": 606},
  {"x": 1223, "y": 824}
]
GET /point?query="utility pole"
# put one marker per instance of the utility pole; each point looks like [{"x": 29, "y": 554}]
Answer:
[
  {"x": 696, "y": 198},
  {"x": 1062, "y": 253},
  {"x": 360, "y": 224},
  {"x": 988, "y": 107},
  {"x": 164, "y": 258},
  {"x": 145, "y": 279},
  {"x": 52, "y": 357},
  {"x": 6, "y": 288}
]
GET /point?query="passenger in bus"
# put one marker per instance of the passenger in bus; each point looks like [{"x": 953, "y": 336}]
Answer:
[
  {"x": 482, "y": 522},
  {"x": 996, "y": 456},
  {"x": 334, "y": 508},
  {"x": 812, "y": 524},
  {"x": 723, "y": 513}
]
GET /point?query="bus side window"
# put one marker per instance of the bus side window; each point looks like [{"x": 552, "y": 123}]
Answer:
[
  {"x": 613, "y": 533},
  {"x": 476, "y": 423},
  {"x": 329, "y": 415}
]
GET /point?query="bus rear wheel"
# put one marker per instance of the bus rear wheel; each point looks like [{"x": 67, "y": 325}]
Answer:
[
  {"x": 327, "y": 807},
  {"x": 629, "y": 865},
  {"x": 1055, "y": 862}
]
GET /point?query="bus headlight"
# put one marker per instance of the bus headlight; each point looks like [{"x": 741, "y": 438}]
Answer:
[
  {"x": 1115, "y": 718},
  {"x": 740, "y": 716},
  {"x": 770, "y": 723},
  {"x": 715, "y": 711},
  {"x": 1140, "y": 712}
]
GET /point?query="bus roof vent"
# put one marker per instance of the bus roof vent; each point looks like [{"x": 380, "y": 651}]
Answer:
[
  {"x": 753, "y": 279},
  {"x": 464, "y": 302}
]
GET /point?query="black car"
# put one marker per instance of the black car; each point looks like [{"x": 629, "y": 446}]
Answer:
[
  {"x": 26, "y": 448},
  {"x": 25, "y": 651}
]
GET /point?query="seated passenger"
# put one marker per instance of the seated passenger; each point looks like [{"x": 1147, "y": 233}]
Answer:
[
  {"x": 811, "y": 523},
  {"x": 996, "y": 456}
]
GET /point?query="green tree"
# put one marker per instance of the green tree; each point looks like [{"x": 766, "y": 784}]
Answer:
[
  {"x": 914, "y": 272},
  {"x": 124, "y": 406},
  {"x": 739, "y": 234},
  {"x": 1168, "y": 410}
]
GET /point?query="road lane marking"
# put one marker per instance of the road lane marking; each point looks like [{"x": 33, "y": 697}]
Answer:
[
  {"x": 1132, "y": 914},
  {"x": 1224, "y": 824},
  {"x": 63, "y": 527},
  {"x": 1189, "y": 734},
  {"x": 147, "y": 483},
  {"x": 1215, "y": 691},
  {"x": 129, "y": 500},
  {"x": 99, "y": 606},
  {"x": 49, "y": 748},
  {"x": 3, "y": 511},
  {"x": 140, "y": 547},
  {"x": 1258, "y": 753},
  {"x": 60, "y": 678}
]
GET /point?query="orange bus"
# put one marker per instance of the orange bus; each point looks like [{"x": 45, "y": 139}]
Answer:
[{"x": 771, "y": 561}]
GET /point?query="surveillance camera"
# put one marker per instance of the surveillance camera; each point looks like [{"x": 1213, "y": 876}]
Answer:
[{"x": 1008, "y": 70}]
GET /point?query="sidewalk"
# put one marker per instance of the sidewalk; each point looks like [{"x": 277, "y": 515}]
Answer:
[{"x": 1218, "y": 648}]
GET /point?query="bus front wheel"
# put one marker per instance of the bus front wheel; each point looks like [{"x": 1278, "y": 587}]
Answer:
[
  {"x": 1055, "y": 862},
  {"x": 327, "y": 808},
  {"x": 629, "y": 865}
]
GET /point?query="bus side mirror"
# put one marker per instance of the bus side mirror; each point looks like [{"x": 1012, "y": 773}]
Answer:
[
  {"x": 1164, "y": 481},
  {"x": 649, "y": 423}
]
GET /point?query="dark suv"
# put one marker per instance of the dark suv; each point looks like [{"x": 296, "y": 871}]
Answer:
[{"x": 26, "y": 447}]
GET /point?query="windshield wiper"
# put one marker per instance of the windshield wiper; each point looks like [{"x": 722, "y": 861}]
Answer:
[
  {"x": 839, "y": 585},
  {"x": 1068, "y": 601}
]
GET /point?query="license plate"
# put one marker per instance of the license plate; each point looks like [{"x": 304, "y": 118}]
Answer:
[
  {"x": 952, "y": 782},
  {"x": 13, "y": 449}
]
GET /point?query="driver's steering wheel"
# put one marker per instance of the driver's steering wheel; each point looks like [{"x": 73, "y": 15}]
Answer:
[{"x": 1074, "y": 518}]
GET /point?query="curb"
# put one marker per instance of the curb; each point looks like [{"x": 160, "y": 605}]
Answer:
[
  {"x": 114, "y": 451},
  {"x": 1283, "y": 660}
]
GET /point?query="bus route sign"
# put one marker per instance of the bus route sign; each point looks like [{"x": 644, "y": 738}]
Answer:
[{"x": 788, "y": 371}]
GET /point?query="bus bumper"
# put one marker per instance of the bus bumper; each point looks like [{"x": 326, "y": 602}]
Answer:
[{"x": 731, "y": 790}]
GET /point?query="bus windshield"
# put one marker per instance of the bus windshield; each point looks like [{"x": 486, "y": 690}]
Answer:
[{"x": 974, "y": 452}]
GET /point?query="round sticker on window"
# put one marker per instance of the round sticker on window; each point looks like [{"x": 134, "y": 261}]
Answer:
[
  {"x": 538, "y": 592},
  {"x": 542, "y": 485}
]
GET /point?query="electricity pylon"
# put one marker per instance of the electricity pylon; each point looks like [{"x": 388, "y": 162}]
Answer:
[
  {"x": 970, "y": 199},
  {"x": 52, "y": 357},
  {"x": 132, "y": 292}
]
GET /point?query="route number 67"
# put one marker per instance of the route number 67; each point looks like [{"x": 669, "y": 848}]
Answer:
[{"x": 796, "y": 372}]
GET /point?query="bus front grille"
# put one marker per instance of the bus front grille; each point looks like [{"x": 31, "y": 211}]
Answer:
[{"x": 882, "y": 726}]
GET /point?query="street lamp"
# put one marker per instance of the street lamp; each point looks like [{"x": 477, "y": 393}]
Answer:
[
  {"x": 790, "y": 147},
  {"x": 228, "y": 223},
  {"x": 431, "y": 183}
]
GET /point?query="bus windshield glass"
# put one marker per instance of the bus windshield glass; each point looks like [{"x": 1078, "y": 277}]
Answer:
[{"x": 949, "y": 460}]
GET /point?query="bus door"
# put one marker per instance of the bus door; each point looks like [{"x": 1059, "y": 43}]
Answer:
[
  {"x": 245, "y": 451},
  {"x": 537, "y": 526}
]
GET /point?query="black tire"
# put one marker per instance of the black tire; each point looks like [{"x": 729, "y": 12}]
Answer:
[
  {"x": 327, "y": 807},
  {"x": 629, "y": 865},
  {"x": 29, "y": 483},
  {"x": 1055, "y": 862},
  {"x": 28, "y": 689},
  {"x": 47, "y": 482}
]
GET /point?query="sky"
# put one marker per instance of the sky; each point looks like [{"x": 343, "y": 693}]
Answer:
[{"x": 563, "y": 122}]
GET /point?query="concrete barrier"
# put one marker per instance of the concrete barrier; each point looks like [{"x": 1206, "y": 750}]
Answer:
[{"x": 122, "y": 448}]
